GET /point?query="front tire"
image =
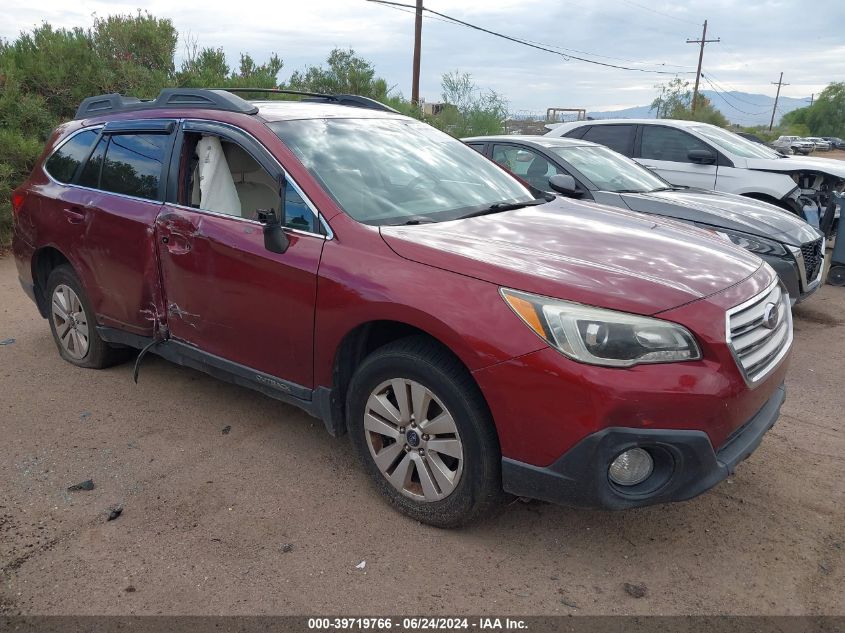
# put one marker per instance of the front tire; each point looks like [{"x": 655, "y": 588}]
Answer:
[
  {"x": 422, "y": 430},
  {"x": 74, "y": 325}
]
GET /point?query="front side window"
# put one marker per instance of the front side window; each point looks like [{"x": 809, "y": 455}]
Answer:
[
  {"x": 610, "y": 171},
  {"x": 391, "y": 171},
  {"x": 221, "y": 176},
  {"x": 525, "y": 163},
  {"x": 64, "y": 162},
  {"x": 669, "y": 144},
  {"x": 735, "y": 144},
  {"x": 133, "y": 164}
]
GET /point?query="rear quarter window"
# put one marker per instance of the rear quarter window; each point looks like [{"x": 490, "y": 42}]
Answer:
[{"x": 64, "y": 162}]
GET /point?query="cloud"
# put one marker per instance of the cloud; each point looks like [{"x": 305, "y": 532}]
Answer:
[{"x": 758, "y": 41}]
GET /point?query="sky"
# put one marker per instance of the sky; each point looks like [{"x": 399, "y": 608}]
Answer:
[{"x": 759, "y": 39}]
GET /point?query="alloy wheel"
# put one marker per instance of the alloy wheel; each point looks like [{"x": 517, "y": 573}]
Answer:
[
  {"x": 413, "y": 440},
  {"x": 70, "y": 322}
]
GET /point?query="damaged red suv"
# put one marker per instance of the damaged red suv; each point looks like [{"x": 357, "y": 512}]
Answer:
[{"x": 473, "y": 336}]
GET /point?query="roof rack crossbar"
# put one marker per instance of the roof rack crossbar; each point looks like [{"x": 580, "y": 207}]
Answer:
[{"x": 167, "y": 98}]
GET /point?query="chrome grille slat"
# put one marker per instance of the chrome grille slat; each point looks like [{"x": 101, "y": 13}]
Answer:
[{"x": 757, "y": 348}]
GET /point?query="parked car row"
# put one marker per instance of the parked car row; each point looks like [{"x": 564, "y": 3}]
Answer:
[
  {"x": 587, "y": 171},
  {"x": 799, "y": 145},
  {"x": 475, "y": 333}
]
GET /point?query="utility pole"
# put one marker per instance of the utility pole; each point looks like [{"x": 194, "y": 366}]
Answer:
[
  {"x": 415, "y": 84},
  {"x": 702, "y": 41},
  {"x": 779, "y": 83}
]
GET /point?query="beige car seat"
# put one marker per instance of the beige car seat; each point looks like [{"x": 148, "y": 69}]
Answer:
[{"x": 256, "y": 189}]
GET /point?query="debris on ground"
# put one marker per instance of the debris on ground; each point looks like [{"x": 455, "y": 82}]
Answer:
[
  {"x": 568, "y": 603},
  {"x": 287, "y": 547},
  {"x": 636, "y": 591},
  {"x": 88, "y": 484},
  {"x": 227, "y": 429},
  {"x": 114, "y": 512},
  {"x": 130, "y": 589},
  {"x": 84, "y": 415},
  {"x": 361, "y": 565},
  {"x": 7, "y": 341}
]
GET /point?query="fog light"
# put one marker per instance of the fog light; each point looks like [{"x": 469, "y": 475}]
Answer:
[{"x": 631, "y": 467}]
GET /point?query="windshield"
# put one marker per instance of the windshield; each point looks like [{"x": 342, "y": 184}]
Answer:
[
  {"x": 392, "y": 171},
  {"x": 735, "y": 144},
  {"x": 610, "y": 171}
]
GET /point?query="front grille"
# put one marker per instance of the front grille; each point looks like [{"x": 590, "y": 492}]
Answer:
[
  {"x": 758, "y": 340},
  {"x": 813, "y": 258}
]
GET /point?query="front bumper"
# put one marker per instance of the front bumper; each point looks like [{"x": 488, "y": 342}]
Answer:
[
  {"x": 688, "y": 465},
  {"x": 791, "y": 274}
]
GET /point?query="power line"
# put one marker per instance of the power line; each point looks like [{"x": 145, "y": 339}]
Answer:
[
  {"x": 665, "y": 15},
  {"x": 723, "y": 96},
  {"x": 726, "y": 88},
  {"x": 545, "y": 48}
]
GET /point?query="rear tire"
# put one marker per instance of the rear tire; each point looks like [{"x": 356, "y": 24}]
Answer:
[
  {"x": 422, "y": 430},
  {"x": 74, "y": 324}
]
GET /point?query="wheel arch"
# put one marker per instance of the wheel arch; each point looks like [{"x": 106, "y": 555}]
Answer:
[
  {"x": 358, "y": 343},
  {"x": 44, "y": 261},
  {"x": 782, "y": 203}
]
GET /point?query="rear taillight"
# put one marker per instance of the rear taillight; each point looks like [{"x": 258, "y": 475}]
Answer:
[{"x": 18, "y": 198}]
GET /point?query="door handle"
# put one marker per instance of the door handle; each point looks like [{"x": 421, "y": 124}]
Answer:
[{"x": 74, "y": 215}]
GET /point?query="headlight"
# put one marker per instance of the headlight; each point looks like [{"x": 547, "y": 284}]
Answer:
[
  {"x": 602, "y": 337},
  {"x": 753, "y": 243}
]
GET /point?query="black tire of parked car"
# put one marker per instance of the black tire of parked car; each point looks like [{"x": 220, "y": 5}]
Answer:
[
  {"x": 479, "y": 490},
  {"x": 100, "y": 354},
  {"x": 836, "y": 275}
]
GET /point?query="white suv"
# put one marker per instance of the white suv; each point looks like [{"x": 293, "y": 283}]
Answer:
[{"x": 700, "y": 155}]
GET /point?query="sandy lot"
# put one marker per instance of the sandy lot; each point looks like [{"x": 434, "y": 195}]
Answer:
[{"x": 274, "y": 517}]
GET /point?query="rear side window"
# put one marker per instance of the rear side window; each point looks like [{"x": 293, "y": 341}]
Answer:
[
  {"x": 669, "y": 144},
  {"x": 133, "y": 164},
  {"x": 619, "y": 138},
  {"x": 90, "y": 176},
  {"x": 64, "y": 162}
]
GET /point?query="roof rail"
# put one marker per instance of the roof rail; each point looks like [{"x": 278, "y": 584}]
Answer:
[
  {"x": 211, "y": 99},
  {"x": 167, "y": 98},
  {"x": 356, "y": 101}
]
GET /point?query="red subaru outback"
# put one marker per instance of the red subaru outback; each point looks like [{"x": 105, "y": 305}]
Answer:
[{"x": 473, "y": 336}]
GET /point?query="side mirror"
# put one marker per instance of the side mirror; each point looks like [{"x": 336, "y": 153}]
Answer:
[
  {"x": 565, "y": 184},
  {"x": 701, "y": 156},
  {"x": 275, "y": 238}
]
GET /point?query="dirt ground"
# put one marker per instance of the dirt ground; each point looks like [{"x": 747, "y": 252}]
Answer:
[{"x": 275, "y": 516}]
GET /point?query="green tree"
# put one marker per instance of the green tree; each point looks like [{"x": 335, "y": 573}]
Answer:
[
  {"x": 344, "y": 72},
  {"x": 674, "y": 101},
  {"x": 826, "y": 117},
  {"x": 470, "y": 111}
]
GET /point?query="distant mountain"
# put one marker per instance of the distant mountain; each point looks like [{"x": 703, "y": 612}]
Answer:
[{"x": 742, "y": 108}]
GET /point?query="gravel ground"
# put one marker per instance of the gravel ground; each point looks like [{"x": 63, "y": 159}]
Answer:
[{"x": 275, "y": 517}]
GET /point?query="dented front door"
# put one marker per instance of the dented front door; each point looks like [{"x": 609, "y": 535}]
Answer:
[{"x": 229, "y": 296}]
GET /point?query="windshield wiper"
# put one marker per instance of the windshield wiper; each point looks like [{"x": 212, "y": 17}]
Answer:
[{"x": 498, "y": 207}]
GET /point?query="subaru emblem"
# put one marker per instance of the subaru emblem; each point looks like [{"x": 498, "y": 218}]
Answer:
[{"x": 771, "y": 316}]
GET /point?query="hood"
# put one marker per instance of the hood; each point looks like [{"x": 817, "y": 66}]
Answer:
[
  {"x": 582, "y": 252},
  {"x": 798, "y": 163},
  {"x": 726, "y": 211}
]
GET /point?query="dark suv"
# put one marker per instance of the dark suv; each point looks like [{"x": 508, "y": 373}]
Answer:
[{"x": 472, "y": 334}]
